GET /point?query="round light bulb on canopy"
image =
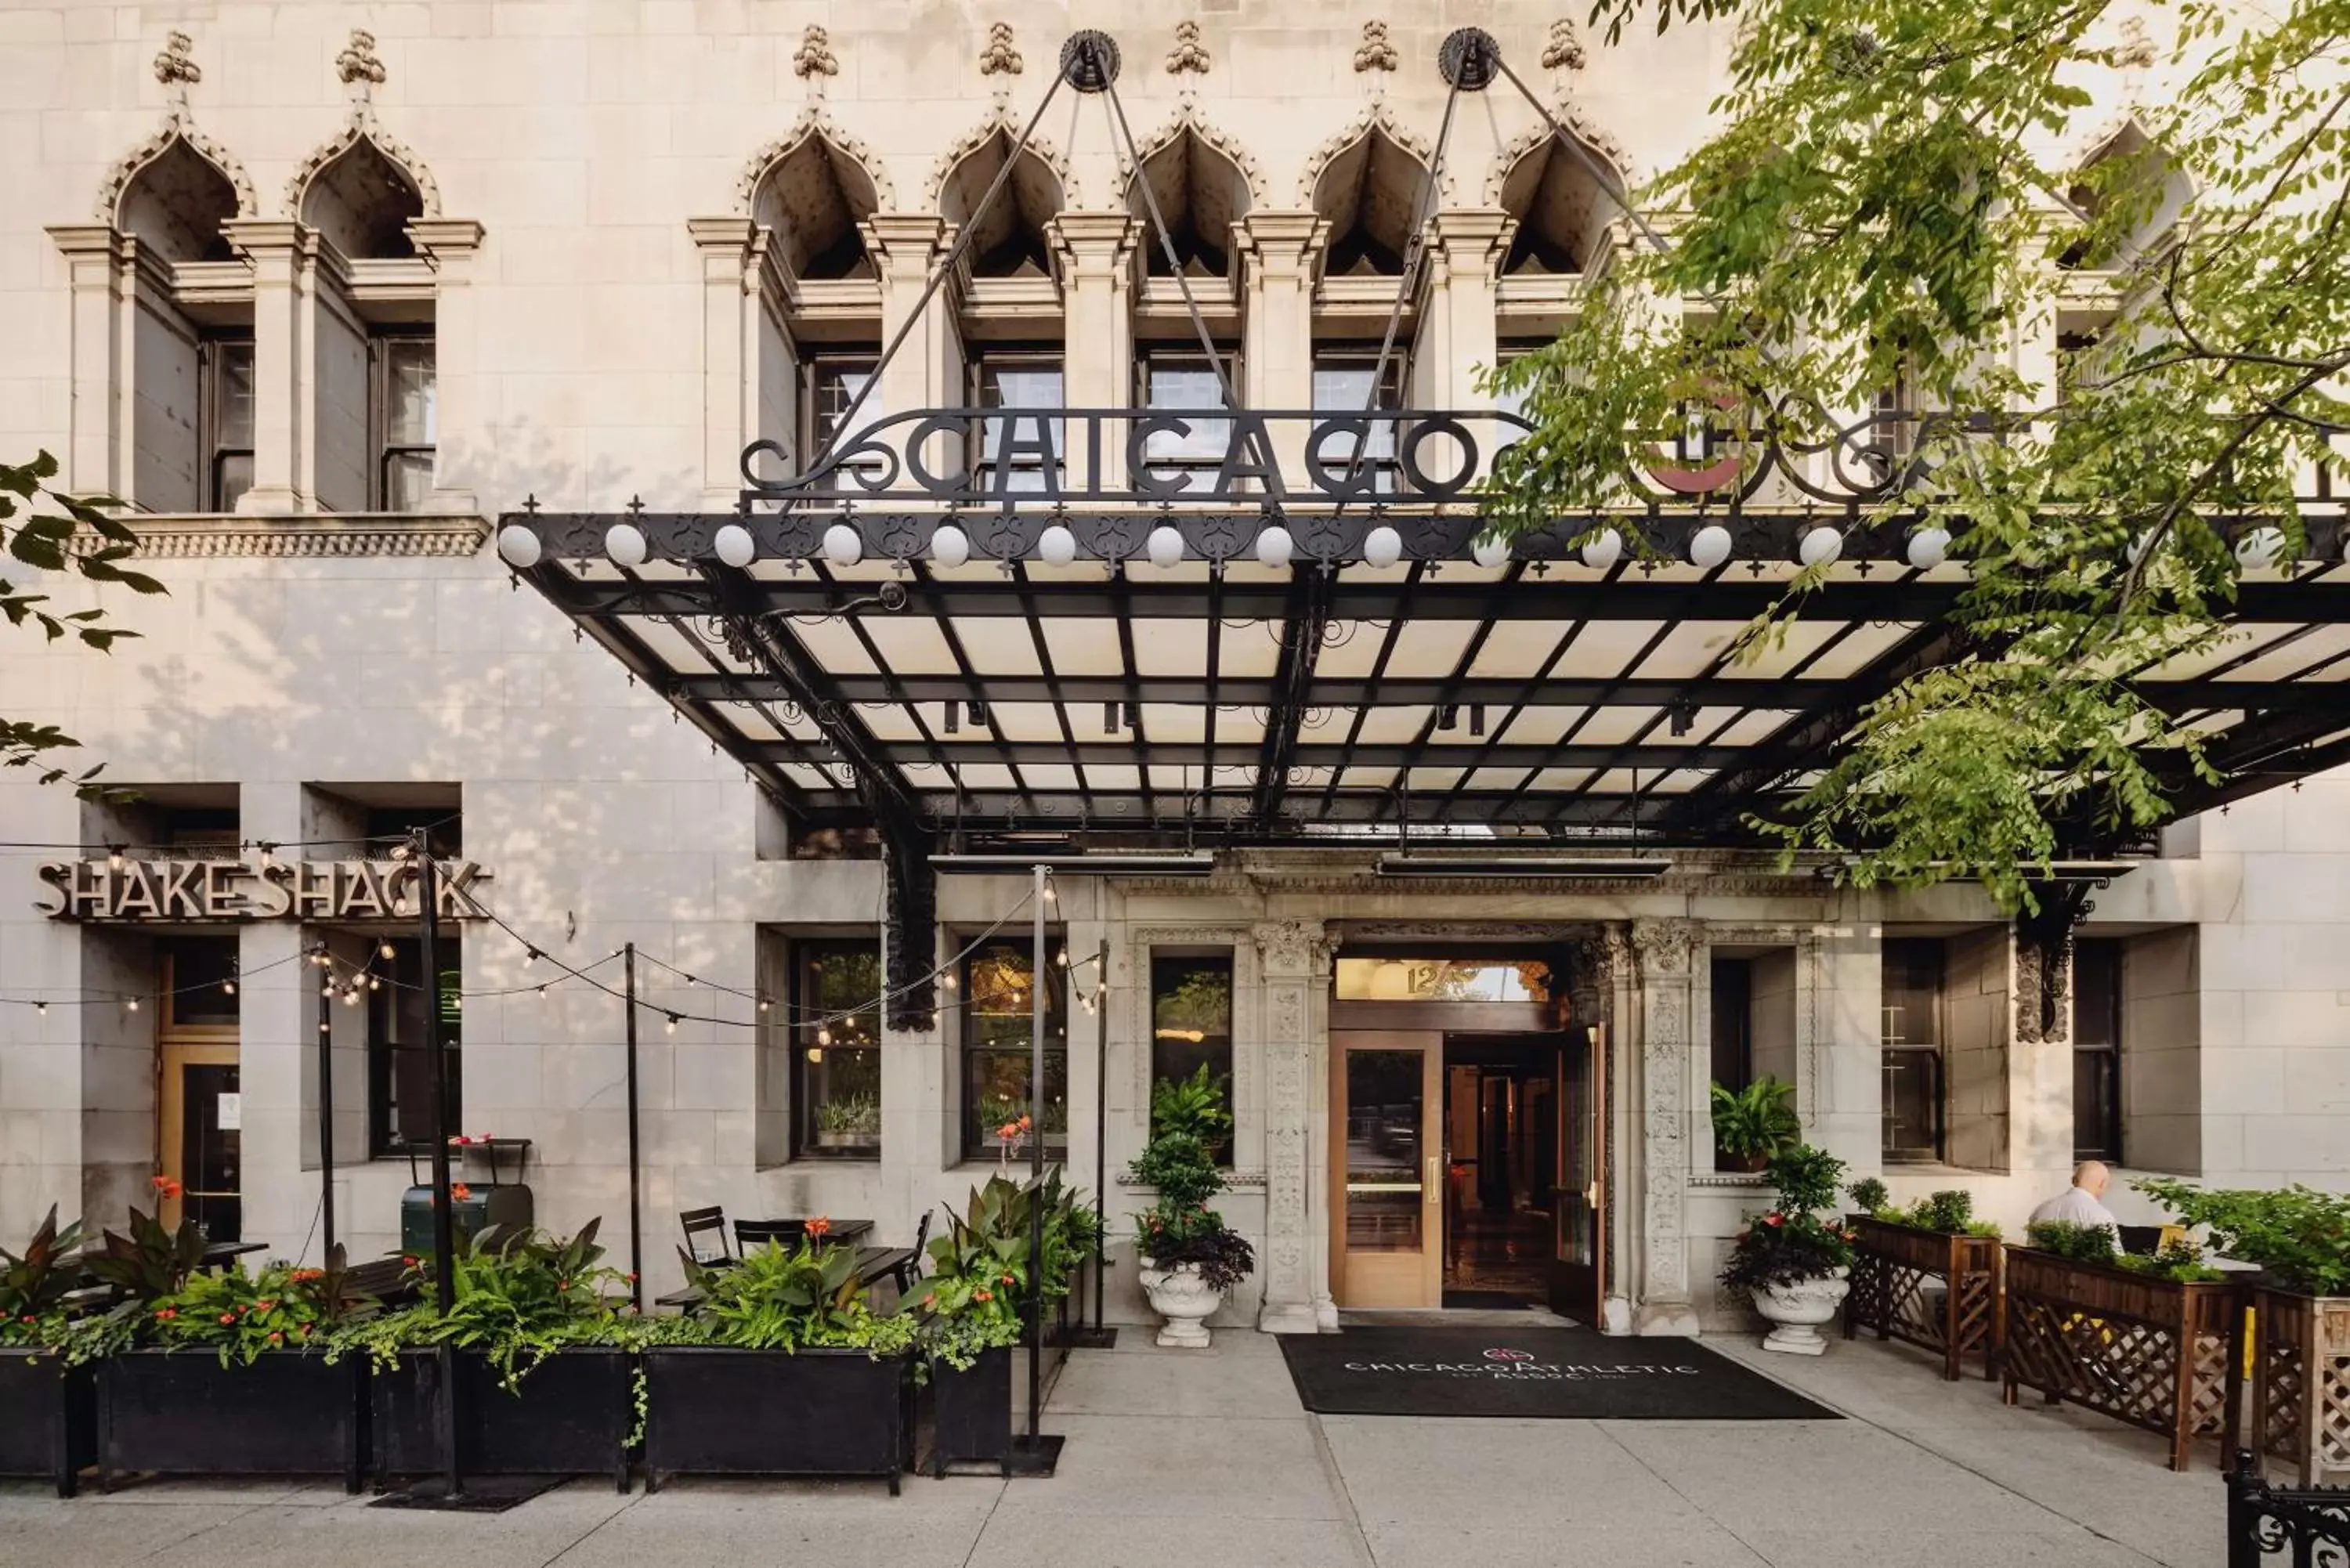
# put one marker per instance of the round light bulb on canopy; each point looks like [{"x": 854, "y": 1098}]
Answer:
[
  {"x": 1274, "y": 547},
  {"x": 843, "y": 546},
  {"x": 1164, "y": 547},
  {"x": 1820, "y": 545},
  {"x": 1056, "y": 546},
  {"x": 1490, "y": 551},
  {"x": 518, "y": 546},
  {"x": 1382, "y": 546},
  {"x": 734, "y": 545},
  {"x": 1929, "y": 547},
  {"x": 949, "y": 546},
  {"x": 1710, "y": 546},
  {"x": 625, "y": 543},
  {"x": 1604, "y": 551},
  {"x": 2260, "y": 550}
]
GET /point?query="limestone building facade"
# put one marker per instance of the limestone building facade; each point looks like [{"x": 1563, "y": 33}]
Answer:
[{"x": 322, "y": 291}]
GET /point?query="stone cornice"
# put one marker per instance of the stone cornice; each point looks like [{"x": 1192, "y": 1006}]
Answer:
[{"x": 163, "y": 536}]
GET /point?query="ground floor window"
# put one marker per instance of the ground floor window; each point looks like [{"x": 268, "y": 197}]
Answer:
[
  {"x": 1192, "y": 1023},
  {"x": 837, "y": 1050},
  {"x": 2097, "y": 1051},
  {"x": 400, "y": 1081},
  {"x": 998, "y": 982},
  {"x": 1912, "y": 1041}
]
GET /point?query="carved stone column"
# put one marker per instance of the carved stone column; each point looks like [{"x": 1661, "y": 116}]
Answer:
[
  {"x": 1098, "y": 269},
  {"x": 927, "y": 371},
  {"x": 460, "y": 463},
  {"x": 1457, "y": 313},
  {"x": 1292, "y": 960},
  {"x": 1665, "y": 952},
  {"x": 1279, "y": 252},
  {"x": 284, "y": 259},
  {"x": 97, "y": 455},
  {"x": 1598, "y": 990},
  {"x": 729, "y": 250}
]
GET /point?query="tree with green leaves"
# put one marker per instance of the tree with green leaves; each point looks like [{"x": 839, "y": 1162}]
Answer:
[
  {"x": 1892, "y": 208},
  {"x": 39, "y": 525}
]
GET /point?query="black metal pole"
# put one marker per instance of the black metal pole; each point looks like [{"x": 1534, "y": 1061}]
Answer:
[
  {"x": 1036, "y": 982},
  {"x": 326, "y": 1127},
  {"x": 1101, "y": 1125},
  {"x": 636, "y": 1182},
  {"x": 444, "y": 1218}
]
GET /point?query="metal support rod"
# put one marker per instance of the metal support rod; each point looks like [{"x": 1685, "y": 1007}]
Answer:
[
  {"x": 326, "y": 1129},
  {"x": 444, "y": 1218},
  {"x": 635, "y": 1163},
  {"x": 1101, "y": 1125},
  {"x": 1036, "y": 1155}
]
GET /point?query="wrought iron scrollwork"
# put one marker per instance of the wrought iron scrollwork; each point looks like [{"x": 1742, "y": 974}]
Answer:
[{"x": 2305, "y": 1528}]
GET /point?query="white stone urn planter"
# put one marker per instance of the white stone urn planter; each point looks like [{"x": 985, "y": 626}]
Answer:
[
  {"x": 1795, "y": 1311},
  {"x": 1180, "y": 1296}
]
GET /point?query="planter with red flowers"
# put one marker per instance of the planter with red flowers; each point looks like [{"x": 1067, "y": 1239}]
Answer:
[
  {"x": 47, "y": 1420},
  {"x": 1795, "y": 1262},
  {"x": 1191, "y": 1258},
  {"x": 219, "y": 1373}
]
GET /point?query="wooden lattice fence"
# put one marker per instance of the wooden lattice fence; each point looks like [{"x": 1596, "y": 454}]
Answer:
[
  {"x": 2301, "y": 1383},
  {"x": 1895, "y": 1271}
]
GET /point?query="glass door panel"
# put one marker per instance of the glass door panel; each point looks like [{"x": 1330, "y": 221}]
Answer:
[
  {"x": 1387, "y": 1248},
  {"x": 1578, "y": 1281}
]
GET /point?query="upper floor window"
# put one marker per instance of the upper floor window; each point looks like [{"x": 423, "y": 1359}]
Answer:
[
  {"x": 225, "y": 416},
  {"x": 831, "y": 383},
  {"x": 1017, "y": 447},
  {"x": 2096, "y": 1051},
  {"x": 1180, "y": 383},
  {"x": 1912, "y": 1041},
  {"x": 1344, "y": 384},
  {"x": 407, "y": 422}
]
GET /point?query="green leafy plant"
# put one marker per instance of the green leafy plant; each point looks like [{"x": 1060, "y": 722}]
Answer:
[
  {"x": 803, "y": 1297},
  {"x": 244, "y": 1316},
  {"x": 35, "y": 1283},
  {"x": 1869, "y": 1194},
  {"x": 1188, "y": 1118},
  {"x": 1197, "y": 1107},
  {"x": 2300, "y": 1236},
  {"x": 2075, "y": 1243},
  {"x": 1792, "y": 1241},
  {"x": 1756, "y": 1122},
  {"x": 2179, "y": 1261},
  {"x": 150, "y": 1262},
  {"x": 859, "y": 1113},
  {"x": 518, "y": 1297}
]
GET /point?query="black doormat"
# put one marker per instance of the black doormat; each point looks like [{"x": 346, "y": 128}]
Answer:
[{"x": 1569, "y": 1374}]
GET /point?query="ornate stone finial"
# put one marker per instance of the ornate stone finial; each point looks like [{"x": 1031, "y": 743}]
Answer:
[
  {"x": 1376, "y": 53},
  {"x": 999, "y": 58},
  {"x": 176, "y": 64},
  {"x": 2137, "y": 50},
  {"x": 1563, "y": 51},
  {"x": 361, "y": 68},
  {"x": 815, "y": 59},
  {"x": 1189, "y": 54}
]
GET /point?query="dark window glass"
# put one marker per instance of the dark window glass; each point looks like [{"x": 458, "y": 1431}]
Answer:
[
  {"x": 997, "y": 982},
  {"x": 1180, "y": 384},
  {"x": 1913, "y": 1049},
  {"x": 1734, "y": 1031},
  {"x": 399, "y": 1080},
  {"x": 1191, "y": 1024},
  {"x": 200, "y": 974},
  {"x": 407, "y": 421},
  {"x": 833, "y": 383},
  {"x": 2096, "y": 1051},
  {"x": 837, "y": 1057},
  {"x": 228, "y": 413}
]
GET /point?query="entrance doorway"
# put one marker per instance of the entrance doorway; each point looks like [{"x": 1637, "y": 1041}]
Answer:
[
  {"x": 199, "y": 1135},
  {"x": 1467, "y": 1134}
]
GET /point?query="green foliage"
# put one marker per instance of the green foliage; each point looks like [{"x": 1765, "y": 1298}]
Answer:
[
  {"x": 1758, "y": 1119},
  {"x": 850, "y": 1114},
  {"x": 2074, "y": 1243},
  {"x": 778, "y": 1299},
  {"x": 1792, "y": 1241},
  {"x": 1189, "y": 1119},
  {"x": 1950, "y": 1211},
  {"x": 1869, "y": 1194},
  {"x": 39, "y": 526},
  {"x": 151, "y": 1262},
  {"x": 2180, "y": 1263},
  {"x": 34, "y": 1283},
  {"x": 2301, "y": 1237},
  {"x": 518, "y": 1297},
  {"x": 1195, "y": 1107},
  {"x": 1878, "y": 206},
  {"x": 241, "y": 1316}
]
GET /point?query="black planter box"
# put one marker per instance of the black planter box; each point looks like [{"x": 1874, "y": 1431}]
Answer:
[
  {"x": 716, "y": 1411},
  {"x": 48, "y": 1418},
  {"x": 970, "y": 1414},
  {"x": 570, "y": 1416},
  {"x": 183, "y": 1413}
]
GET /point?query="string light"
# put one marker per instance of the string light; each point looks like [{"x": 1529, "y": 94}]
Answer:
[
  {"x": 386, "y": 951},
  {"x": 131, "y": 1005},
  {"x": 529, "y": 957},
  {"x": 671, "y": 1028},
  {"x": 41, "y": 1009},
  {"x": 764, "y": 1004},
  {"x": 542, "y": 993},
  {"x": 328, "y": 989},
  {"x": 114, "y": 858},
  {"x": 228, "y": 988},
  {"x": 823, "y": 1035}
]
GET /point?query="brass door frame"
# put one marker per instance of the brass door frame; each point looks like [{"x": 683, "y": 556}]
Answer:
[
  {"x": 179, "y": 1046},
  {"x": 1386, "y": 1280},
  {"x": 1579, "y": 1290}
]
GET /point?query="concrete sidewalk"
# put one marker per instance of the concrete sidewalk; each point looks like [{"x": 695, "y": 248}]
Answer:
[{"x": 1208, "y": 1459}]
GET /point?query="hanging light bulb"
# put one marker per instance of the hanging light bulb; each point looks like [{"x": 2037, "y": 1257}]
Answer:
[
  {"x": 529, "y": 957},
  {"x": 947, "y": 978},
  {"x": 1382, "y": 546},
  {"x": 823, "y": 1035},
  {"x": 763, "y": 1004},
  {"x": 1049, "y": 894},
  {"x": 518, "y": 546},
  {"x": 40, "y": 1010},
  {"x": 328, "y": 989},
  {"x": 816, "y": 1053},
  {"x": 228, "y": 988},
  {"x": 132, "y": 1004},
  {"x": 353, "y": 998},
  {"x": 1820, "y": 545},
  {"x": 1056, "y": 546},
  {"x": 385, "y": 950},
  {"x": 542, "y": 993},
  {"x": 1489, "y": 551},
  {"x": 671, "y": 1027},
  {"x": 1164, "y": 547},
  {"x": 843, "y": 546},
  {"x": 1928, "y": 548},
  {"x": 625, "y": 543},
  {"x": 1604, "y": 551},
  {"x": 114, "y": 858},
  {"x": 692, "y": 981},
  {"x": 1062, "y": 958},
  {"x": 374, "y": 983}
]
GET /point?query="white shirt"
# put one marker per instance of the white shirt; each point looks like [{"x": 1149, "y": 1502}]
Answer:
[{"x": 2076, "y": 1207}]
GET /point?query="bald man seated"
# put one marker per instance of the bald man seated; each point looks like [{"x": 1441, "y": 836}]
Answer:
[{"x": 2080, "y": 1204}]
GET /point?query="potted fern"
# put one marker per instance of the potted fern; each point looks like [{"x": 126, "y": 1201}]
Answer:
[
  {"x": 47, "y": 1421},
  {"x": 1751, "y": 1123}
]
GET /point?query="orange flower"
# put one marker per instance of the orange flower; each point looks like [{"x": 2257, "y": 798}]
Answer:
[
  {"x": 1008, "y": 1131},
  {"x": 819, "y": 1227},
  {"x": 1025, "y": 1124},
  {"x": 982, "y": 1294},
  {"x": 459, "y": 1191},
  {"x": 168, "y": 1186},
  {"x": 228, "y": 1317},
  {"x": 276, "y": 1338},
  {"x": 263, "y": 1306},
  {"x": 166, "y": 1314}
]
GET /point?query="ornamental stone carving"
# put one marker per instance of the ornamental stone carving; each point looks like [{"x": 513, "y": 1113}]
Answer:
[
  {"x": 1286, "y": 946},
  {"x": 999, "y": 58},
  {"x": 1372, "y": 116},
  {"x": 176, "y": 69},
  {"x": 814, "y": 120},
  {"x": 1563, "y": 50},
  {"x": 1666, "y": 947},
  {"x": 1189, "y": 55},
  {"x": 1594, "y": 142},
  {"x": 1188, "y": 119},
  {"x": 363, "y": 126},
  {"x": 814, "y": 60},
  {"x": 176, "y": 66},
  {"x": 357, "y": 64},
  {"x": 1375, "y": 52},
  {"x": 324, "y": 534},
  {"x": 1000, "y": 120}
]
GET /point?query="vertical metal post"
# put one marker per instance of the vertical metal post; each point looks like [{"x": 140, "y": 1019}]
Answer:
[
  {"x": 444, "y": 1220},
  {"x": 636, "y": 1181},
  {"x": 1036, "y": 981},
  {"x": 1101, "y": 1125},
  {"x": 325, "y": 1127}
]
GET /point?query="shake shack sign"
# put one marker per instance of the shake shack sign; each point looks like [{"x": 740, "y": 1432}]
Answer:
[
  {"x": 1505, "y": 1363},
  {"x": 122, "y": 888}
]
